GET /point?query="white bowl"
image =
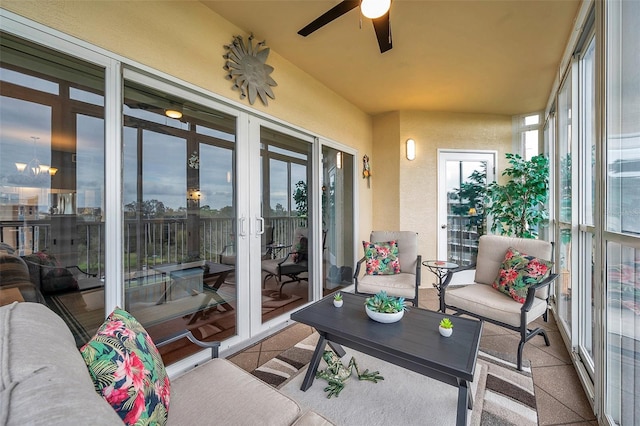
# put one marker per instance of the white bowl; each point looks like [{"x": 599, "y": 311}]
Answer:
[{"x": 382, "y": 317}]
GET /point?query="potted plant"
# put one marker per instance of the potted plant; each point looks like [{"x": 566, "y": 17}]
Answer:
[
  {"x": 384, "y": 308},
  {"x": 518, "y": 207},
  {"x": 445, "y": 327},
  {"x": 337, "y": 300}
]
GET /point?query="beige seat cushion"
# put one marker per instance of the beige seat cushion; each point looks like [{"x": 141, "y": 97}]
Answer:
[
  {"x": 239, "y": 398},
  {"x": 399, "y": 285},
  {"x": 484, "y": 300}
]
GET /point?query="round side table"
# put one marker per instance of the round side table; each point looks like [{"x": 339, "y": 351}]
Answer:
[{"x": 443, "y": 271}]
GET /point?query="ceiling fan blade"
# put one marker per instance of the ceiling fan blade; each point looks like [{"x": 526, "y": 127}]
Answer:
[
  {"x": 335, "y": 12},
  {"x": 382, "y": 25}
]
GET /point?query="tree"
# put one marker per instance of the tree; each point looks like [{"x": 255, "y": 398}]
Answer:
[
  {"x": 518, "y": 207},
  {"x": 300, "y": 198}
]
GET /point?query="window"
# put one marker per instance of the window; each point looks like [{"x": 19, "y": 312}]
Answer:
[
  {"x": 527, "y": 130},
  {"x": 622, "y": 227},
  {"x": 52, "y": 142}
]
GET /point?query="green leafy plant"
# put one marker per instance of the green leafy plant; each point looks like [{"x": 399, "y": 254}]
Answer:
[
  {"x": 446, "y": 323},
  {"x": 300, "y": 198},
  {"x": 383, "y": 303},
  {"x": 337, "y": 296},
  {"x": 518, "y": 207}
]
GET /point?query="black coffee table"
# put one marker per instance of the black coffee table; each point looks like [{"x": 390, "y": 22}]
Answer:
[{"x": 413, "y": 343}]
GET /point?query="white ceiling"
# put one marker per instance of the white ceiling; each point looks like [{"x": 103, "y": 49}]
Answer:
[{"x": 480, "y": 56}]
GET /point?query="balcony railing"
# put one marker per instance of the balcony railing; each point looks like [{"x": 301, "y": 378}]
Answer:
[{"x": 147, "y": 242}]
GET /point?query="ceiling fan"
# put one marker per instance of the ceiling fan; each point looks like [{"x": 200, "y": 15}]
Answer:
[{"x": 376, "y": 10}]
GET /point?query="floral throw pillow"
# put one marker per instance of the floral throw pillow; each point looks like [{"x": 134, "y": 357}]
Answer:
[
  {"x": 520, "y": 271},
  {"x": 301, "y": 250},
  {"x": 381, "y": 258},
  {"x": 127, "y": 370}
]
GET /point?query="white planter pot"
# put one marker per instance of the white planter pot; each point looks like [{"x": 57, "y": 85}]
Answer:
[
  {"x": 338, "y": 303},
  {"x": 384, "y": 318},
  {"x": 446, "y": 332}
]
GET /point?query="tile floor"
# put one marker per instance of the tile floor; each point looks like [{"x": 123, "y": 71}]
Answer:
[{"x": 560, "y": 397}]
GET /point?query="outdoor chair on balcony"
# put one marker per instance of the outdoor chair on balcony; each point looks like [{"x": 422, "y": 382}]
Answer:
[
  {"x": 392, "y": 264},
  {"x": 510, "y": 288},
  {"x": 291, "y": 268}
]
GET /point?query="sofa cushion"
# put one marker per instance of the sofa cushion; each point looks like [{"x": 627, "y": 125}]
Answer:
[
  {"x": 520, "y": 271},
  {"x": 43, "y": 380},
  {"x": 381, "y": 258},
  {"x": 233, "y": 391},
  {"x": 127, "y": 370}
]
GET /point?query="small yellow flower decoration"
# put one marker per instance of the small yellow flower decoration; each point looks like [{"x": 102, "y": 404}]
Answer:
[{"x": 366, "y": 168}]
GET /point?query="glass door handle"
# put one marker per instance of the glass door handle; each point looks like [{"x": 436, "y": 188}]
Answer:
[
  {"x": 241, "y": 222},
  {"x": 260, "y": 221}
]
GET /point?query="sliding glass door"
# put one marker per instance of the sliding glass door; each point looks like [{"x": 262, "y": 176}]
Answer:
[
  {"x": 179, "y": 224},
  {"x": 284, "y": 218}
]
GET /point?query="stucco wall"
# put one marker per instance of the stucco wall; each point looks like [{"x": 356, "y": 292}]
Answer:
[
  {"x": 185, "y": 39},
  {"x": 415, "y": 183},
  {"x": 385, "y": 168}
]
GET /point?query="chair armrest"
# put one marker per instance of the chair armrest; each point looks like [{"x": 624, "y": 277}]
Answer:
[
  {"x": 357, "y": 272},
  {"x": 187, "y": 334},
  {"x": 89, "y": 274},
  {"x": 531, "y": 291},
  {"x": 446, "y": 282}
]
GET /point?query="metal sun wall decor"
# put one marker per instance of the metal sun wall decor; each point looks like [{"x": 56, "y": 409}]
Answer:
[{"x": 246, "y": 65}]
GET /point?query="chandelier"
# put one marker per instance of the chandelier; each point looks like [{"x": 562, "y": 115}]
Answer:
[{"x": 33, "y": 172}]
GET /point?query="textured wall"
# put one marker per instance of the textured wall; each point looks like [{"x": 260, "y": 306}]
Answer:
[{"x": 414, "y": 183}]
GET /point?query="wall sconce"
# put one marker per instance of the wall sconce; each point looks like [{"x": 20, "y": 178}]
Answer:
[
  {"x": 339, "y": 160},
  {"x": 411, "y": 149}
]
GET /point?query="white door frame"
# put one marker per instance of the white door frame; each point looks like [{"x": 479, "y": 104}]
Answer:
[{"x": 444, "y": 155}]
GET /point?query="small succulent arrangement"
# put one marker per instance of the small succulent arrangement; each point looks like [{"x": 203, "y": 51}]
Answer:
[
  {"x": 383, "y": 303},
  {"x": 337, "y": 297},
  {"x": 446, "y": 323}
]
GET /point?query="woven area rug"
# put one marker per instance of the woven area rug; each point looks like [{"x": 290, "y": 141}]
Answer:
[{"x": 502, "y": 395}]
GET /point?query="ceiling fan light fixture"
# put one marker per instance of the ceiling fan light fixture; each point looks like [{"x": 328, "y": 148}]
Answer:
[{"x": 373, "y": 9}]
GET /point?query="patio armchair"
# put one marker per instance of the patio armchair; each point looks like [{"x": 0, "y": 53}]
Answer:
[
  {"x": 523, "y": 298},
  {"x": 290, "y": 268},
  {"x": 402, "y": 282}
]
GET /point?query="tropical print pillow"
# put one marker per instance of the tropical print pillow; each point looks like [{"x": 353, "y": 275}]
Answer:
[
  {"x": 520, "y": 271},
  {"x": 127, "y": 370},
  {"x": 381, "y": 258}
]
